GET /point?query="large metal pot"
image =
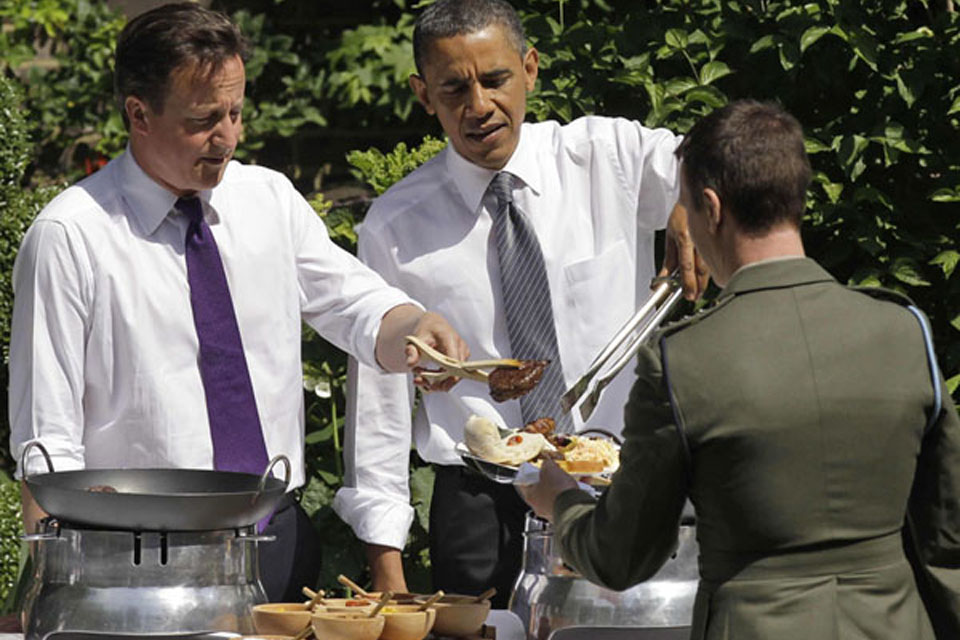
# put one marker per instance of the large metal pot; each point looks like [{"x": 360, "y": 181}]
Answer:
[
  {"x": 157, "y": 499},
  {"x": 549, "y": 595}
]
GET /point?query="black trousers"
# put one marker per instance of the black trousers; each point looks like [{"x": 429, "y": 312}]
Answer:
[
  {"x": 292, "y": 561},
  {"x": 476, "y": 534}
]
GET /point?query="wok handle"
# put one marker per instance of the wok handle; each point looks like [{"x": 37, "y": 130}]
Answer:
[
  {"x": 23, "y": 457},
  {"x": 266, "y": 474}
]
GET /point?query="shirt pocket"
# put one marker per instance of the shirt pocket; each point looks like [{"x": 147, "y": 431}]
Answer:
[{"x": 599, "y": 298}]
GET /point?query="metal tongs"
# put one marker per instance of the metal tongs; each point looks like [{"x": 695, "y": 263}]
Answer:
[
  {"x": 472, "y": 369},
  {"x": 624, "y": 345}
]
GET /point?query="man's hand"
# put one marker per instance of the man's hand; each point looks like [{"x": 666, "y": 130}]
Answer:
[
  {"x": 395, "y": 355},
  {"x": 386, "y": 568},
  {"x": 680, "y": 251},
  {"x": 542, "y": 495}
]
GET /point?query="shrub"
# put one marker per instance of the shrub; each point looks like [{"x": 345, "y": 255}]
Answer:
[{"x": 12, "y": 553}]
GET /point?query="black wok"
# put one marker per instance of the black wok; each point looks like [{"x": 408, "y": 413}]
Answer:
[{"x": 157, "y": 499}]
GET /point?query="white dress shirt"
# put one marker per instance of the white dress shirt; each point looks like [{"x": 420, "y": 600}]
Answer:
[
  {"x": 104, "y": 354},
  {"x": 595, "y": 191}
]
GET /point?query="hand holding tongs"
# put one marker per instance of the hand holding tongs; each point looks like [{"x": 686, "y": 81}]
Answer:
[
  {"x": 624, "y": 345},
  {"x": 472, "y": 369}
]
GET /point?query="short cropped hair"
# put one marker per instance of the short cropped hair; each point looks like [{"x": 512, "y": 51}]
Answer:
[
  {"x": 448, "y": 18},
  {"x": 155, "y": 43},
  {"x": 752, "y": 154}
]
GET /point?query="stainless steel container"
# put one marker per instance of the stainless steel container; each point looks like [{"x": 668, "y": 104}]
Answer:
[
  {"x": 141, "y": 582},
  {"x": 548, "y": 595}
]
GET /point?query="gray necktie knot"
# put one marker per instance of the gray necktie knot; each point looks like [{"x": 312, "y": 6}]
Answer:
[{"x": 502, "y": 188}]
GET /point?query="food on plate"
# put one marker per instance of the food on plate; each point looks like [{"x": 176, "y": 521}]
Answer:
[
  {"x": 536, "y": 442},
  {"x": 483, "y": 440},
  {"x": 507, "y": 383}
]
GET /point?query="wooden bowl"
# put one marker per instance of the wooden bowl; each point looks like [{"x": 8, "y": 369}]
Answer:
[
  {"x": 280, "y": 618},
  {"x": 334, "y": 625},
  {"x": 345, "y": 605},
  {"x": 406, "y": 622},
  {"x": 459, "y": 615},
  {"x": 398, "y": 598}
]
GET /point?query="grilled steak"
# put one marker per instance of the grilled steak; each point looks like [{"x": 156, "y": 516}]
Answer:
[{"x": 507, "y": 383}]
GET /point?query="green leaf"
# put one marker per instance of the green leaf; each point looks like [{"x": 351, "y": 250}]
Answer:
[
  {"x": 864, "y": 46},
  {"x": 328, "y": 477},
  {"x": 812, "y": 145},
  {"x": 811, "y": 35},
  {"x": 676, "y": 38},
  {"x": 789, "y": 55},
  {"x": 946, "y": 195},
  {"x": 421, "y": 493},
  {"x": 905, "y": 90},
  {"x": 953, "y": 382},
  {"x": 833, "y": 190},
  {"x": 713, "y": 71},
  {"x": 955, "y": 107},
  {"x": 904, "y": 270},
  {"x": 947, "y": 260},
  {"x": 322, "y": 435},
  {"x": 763, "y": 43},
  {"x": 710, "y": 96},
  {"x": 910, "y": 36}
]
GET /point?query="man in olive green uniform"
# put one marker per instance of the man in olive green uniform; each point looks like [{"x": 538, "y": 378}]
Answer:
[{"x": 807, "y": 422}]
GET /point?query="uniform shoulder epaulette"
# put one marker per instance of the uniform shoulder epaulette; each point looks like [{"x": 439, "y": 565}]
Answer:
[
  {"x": 888, "y": 295},
  {"x": 688, "y": 321}
]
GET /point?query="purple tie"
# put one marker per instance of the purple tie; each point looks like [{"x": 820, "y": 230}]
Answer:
[{"x": 234, "y": 423}]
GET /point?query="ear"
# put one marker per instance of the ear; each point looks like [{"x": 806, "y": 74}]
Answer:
[
  {"x": 137, "y": 114},
  {"x": 531, "y": 67},
  {"x": 714, "y": 209},
  {"x": 419, "y": 87}
]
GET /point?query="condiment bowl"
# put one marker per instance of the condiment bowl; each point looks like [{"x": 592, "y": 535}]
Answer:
[
  {"x": 346, "y": 605},
  {"x": 280, "y": 618},
  {"x": 459, "y": 615},
  {"x": 397, "y": 598},
  {"x": 335, "y": 625},
  {"x": 406, "y": 622}
]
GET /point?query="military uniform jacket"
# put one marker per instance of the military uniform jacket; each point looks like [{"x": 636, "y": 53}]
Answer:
[{"x": 799, "y": 417}]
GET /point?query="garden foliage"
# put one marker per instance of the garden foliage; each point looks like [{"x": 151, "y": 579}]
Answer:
[{"x": 875, "y": 84}]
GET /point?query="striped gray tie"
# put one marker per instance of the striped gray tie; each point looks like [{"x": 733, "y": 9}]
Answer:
[{"x": 526, "y": 303}]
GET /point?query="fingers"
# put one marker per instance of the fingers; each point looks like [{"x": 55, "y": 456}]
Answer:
[{"x": 680, "y": 252}]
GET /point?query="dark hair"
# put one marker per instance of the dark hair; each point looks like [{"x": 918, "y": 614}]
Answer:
[
  {"x": 155, "y": 43},
  {"x": 752, "y": 154},
  {"x": 448, "y": 18}
]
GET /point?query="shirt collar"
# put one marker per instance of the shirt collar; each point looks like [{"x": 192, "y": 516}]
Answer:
[
  {"x": 775, "y": 274},
  {"x": 148, "y": 201},
  {"x": 472, "y": 180}
]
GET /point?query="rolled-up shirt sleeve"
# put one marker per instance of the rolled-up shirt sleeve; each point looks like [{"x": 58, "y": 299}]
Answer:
[
  {"x": 47, "y": 348},
  {"x": 375, "y": 498}
]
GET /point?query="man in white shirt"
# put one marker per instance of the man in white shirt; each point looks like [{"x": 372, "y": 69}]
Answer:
[
  {"x": 594, "y": 191},
  {"x": 108, "y": 365}
]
